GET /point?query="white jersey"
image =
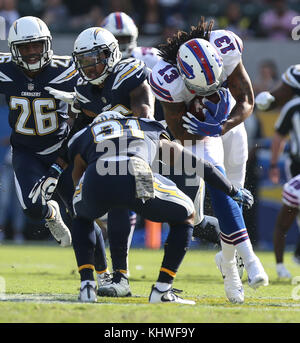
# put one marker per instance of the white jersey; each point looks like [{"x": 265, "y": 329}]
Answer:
[
  {"x": 166, "y": 83},
  {"x": 147, "y": 54},
  {"x": 168, "y": 86}
]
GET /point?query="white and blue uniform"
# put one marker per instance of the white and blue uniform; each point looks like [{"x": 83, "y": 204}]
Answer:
[{"x": 229, "y": 152}]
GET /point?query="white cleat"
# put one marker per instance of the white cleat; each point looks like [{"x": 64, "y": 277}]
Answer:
[
  {"x": 117, "y": 287},
  {"x": 57, "y": 227},
  {"x": 232, "y": 283},
  {"x": 168, "y": 296},
  {"x": 282, "y": 272},
  {"x": 239, "y": 263},
  {"x": 103, "y": 279},
  {"x": 256, "y": 274},
  {"x": 88, "y": 292}
]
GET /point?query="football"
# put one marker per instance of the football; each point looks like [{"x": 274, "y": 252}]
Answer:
[{"x": 196, "y": 106}]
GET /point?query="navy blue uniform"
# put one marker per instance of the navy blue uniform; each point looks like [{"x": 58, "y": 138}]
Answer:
[
  {"x": 38, "y": 122},
  {"x": 125, "y": 77},
  {"x": 97, "y": 194}
]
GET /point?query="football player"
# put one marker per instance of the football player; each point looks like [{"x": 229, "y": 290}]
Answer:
[
  {"x": 113, "y": 160},
  {"x": 38, "y": 121},
  {"x": 108, "y": 82},
  {"x": 199, "y": 63},
  {"x": 285, "y": 95}
]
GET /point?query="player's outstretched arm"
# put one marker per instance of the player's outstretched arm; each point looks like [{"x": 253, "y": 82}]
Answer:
[{"x": 185, "y": 161}]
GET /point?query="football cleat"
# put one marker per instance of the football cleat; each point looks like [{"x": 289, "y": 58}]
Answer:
[
  {"x": 57, "y": 227},
  {"x": 117, "y": 287},
  {"x": 232, "y": 283},
  {"x": 239, "y": 263},
  {"x": 88, "y": 292},
  {"x": 256, "y": 274},
  {"x": 103, "y": 279},
  {"x": 169, "y": 296},
  {"x": 282, "y": 272}
]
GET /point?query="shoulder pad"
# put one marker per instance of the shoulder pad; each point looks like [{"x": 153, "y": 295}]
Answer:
[
  {"x": 230, "y": 48},
  {"x": 64, "y": 75},
  {"x": 166, "y": 83},
  {"x": 126, "y": 69},
  {"x": 292, "y": 76}
]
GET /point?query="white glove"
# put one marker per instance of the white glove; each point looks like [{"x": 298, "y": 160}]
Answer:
[
  {"x": 67, "y": 97},
  {"x": 263, "y": 100}
]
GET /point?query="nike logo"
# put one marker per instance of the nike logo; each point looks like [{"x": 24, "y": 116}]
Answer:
[
  {"x": 140, "y": 74},
  {"x": 161, "y": 83}
]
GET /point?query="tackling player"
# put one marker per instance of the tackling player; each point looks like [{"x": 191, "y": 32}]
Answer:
[{"x": 113, "y": 159}]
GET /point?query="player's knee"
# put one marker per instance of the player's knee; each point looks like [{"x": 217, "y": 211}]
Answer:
[{"x": 190, "y": 219}]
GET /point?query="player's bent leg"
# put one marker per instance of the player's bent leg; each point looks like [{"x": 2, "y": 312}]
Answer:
[{"x": 172, "y": 206}]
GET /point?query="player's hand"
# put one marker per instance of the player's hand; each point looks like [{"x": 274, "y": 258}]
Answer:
[
  {"x": 219, "y": 111},
  {"x": 244, "y": 197},
  {"x": 46, "y": 185},
  {"x": 196, "y": 127},
  {"x": 68, "y": 97},
  {"x": 263, "y": 100}
]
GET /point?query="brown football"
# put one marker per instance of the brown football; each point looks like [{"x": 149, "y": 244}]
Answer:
[{"x": 196, "y": 106}]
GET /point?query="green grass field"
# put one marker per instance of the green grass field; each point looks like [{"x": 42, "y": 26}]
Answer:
[{"x": 41, "y": 286}]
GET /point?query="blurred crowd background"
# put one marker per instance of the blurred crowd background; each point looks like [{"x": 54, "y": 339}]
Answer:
[
  {"x": 265, "y": 26},
  {"x": 248, "y": 18}
]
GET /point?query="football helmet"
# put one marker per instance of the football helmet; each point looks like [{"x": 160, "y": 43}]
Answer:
[
  {"x": 95, "y": 46},
  {"x": 106, "y": 115},
  {"x": 27, "y": 30},
  {"x": 124, "y": 29},
  {"x": 200, "y": 66}
]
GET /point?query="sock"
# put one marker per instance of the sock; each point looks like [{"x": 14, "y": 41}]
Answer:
[
  {"x": 119, "y": 224},
  {"x": 86, "y": 272},
  {"x": 175, "y": 249},
  {"x": 245, "y": 250},
  {"x": 228, "y": 252},
  {"x": 84, "y": 241},
  {"x": 100, "y": 253}
]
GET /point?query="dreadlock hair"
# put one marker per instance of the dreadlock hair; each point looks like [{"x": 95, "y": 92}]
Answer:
[{"x": 168, "y": 51}]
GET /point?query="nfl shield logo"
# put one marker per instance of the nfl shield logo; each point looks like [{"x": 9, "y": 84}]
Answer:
[{"x": 30, "y": 86}]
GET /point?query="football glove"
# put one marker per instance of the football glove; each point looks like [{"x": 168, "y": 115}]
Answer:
[
  {"x": 68, "y": 97},
  {"x": 46, "y": 185},
  {"x": 196, "y": 127},
  {"x": 263, "y": 100},
  {"x": 221, "y": 110},
  {"x": 244, "y": 197}
]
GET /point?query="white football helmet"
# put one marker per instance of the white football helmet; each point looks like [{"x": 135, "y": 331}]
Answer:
[
  {"x": 27, "y": 30},
  {"x": 96, "y": 46},
  {"x": 200, "y": 66},
  {"x": 107, "y": 115},
  {"x": 124, "y": 29}
]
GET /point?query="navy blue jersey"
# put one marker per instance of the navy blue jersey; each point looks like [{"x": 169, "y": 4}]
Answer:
[
  {"x": 127, "y": 75},
  {"x": 38, "y": 120},
  {"x": 107, "y": 138}
]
